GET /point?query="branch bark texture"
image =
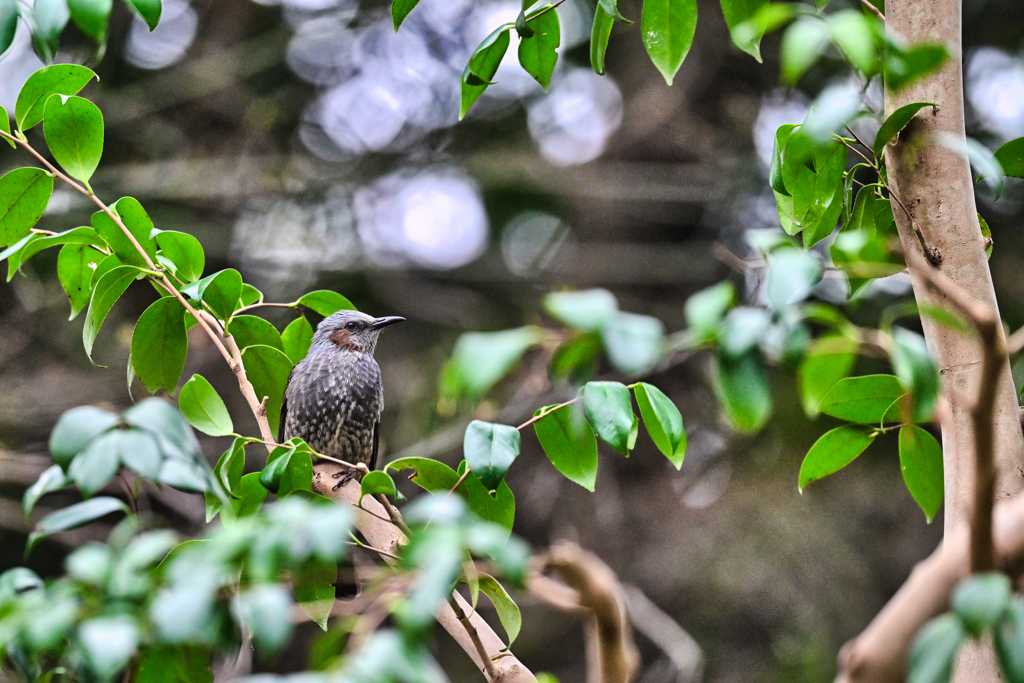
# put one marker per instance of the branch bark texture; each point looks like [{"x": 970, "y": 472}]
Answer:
[{"x": 385, "y": 535}]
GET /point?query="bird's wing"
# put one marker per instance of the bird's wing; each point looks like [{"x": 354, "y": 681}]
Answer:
[
  {"x": 376, "y": 445},
  {"x": 284, "y": 408}
]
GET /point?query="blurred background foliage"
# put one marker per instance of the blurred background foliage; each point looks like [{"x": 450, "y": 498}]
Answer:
[{"x": 308, "y": 146}]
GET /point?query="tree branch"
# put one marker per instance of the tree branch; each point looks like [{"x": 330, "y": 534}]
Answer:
[{"x": 492, "y": 673}]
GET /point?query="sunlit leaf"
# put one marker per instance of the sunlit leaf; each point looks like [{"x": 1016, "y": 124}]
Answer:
[
  {"x": 662, "y": 421},
  {"x": 667, "y": 27},
  {"x": 896, "y": 122},
  {"x": 57, "y": 79},
  {"x": 324, "y": 301},
  {"x": 296, "y": 338},
  {"x": 609, "y": 409},
  {"x": 268, "y": 370},
  {"x": 91, "y": 17},
  {"x": 375, "y": 483},
  {"x": 24, "y": 194},
  {"x": 482, "y": 66},
  {"x": 185, "y": 252},
  {"x": 508, "y": 612},
  {"x": 250, "y": 330},
  {"x": 599, "y": 35},
  {"x": 204, "y": 408},
  {"x": 149, "y": 10},
  {"x": 869, "y": 399},
  {"x": 74, "y": 133}
]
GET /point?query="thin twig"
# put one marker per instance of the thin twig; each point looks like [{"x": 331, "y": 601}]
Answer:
[
  {"x": 546, "y": 413},
  {"x": 394, "y": 514},
  {"x": 374, "y": 514},
  {"x": 857, "y": 138},
  {"x": 492, "y": 673},
  {"x": 877, "y": 12},
  {"x": 459, "y": 482},
  {"x": 383, "y": 553}
]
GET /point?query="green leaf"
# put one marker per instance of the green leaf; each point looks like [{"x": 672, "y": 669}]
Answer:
[
  {"x": 981, "y": 601},
  {"x": 854, "y": 36},
  {"x": 538, "y": 53},
  {"x": 742, "y": 389},
  {"x": 8, "y": 23},
  {"x": 588, "y": 310},
  {"x": 896, "y": 122},
  {"x": 5, "y": 125},
  {"x": 833, "y": 451},
  {"x": 986, "y": 233},
  {"x": 633, "y": 342},
  {"x": 1011, "y": 157},
  {"x": 374, "y": 483},
  {"x": 429, "y": 474},
  {"x": 740, "y": 13},
  {"x": 828, "y": 360},
  {"x": 324, "y": 301},
  {"x": 174, "y": 664},
  {"x": 668, "y": 27},
  {"x": 160, "y": 345},
  {"x": 231, "y": 466},
  {"x": 599, "y": 35},
  {"x": 203, "y": 408},
  {"x": 74, "y": 134},
  {"x": 75, "y": 516},
  {"x": 140, "y": 453},
  {"x": 869, "y": 399},
  {"x": 57, "y": 79},
  {"x": 663, "y": 422},
  {"x": 609, "y": 409},
  {"x": 705, "y": 310},
  {"x": 50, "y": 17},
  {"x": 933, "y": 651},
  {"x": 75, "y": 266},
  {"x": 569, "y": 443},
  {"x": 577, "y": 360},
  {"x": 611, "y": 7},
  {"x": 313, "y": 584},
  {"x": 400, "y": 9},
  {"x": 499, "y": 507},
  {"x": 490, "y": 450},
  {"x": 75, "y": 429},
  {"x": 52, "y": 479},
  {"x": 149, "y": 10},
  {"x": 481, "y": 359},
  {"x": 482, "y": 66},
  {"x": 508, "y": 612},
  {"x": 251, "y": 494},
  {"x": 287, "y": 470},
  {"x": 1009, "y": 641},
  {"x": 917, "y": 371},
  {"x": 24, "y": 194},
  {"x": 91, "y": 17},
  {"x": 98, "y": 463},
  {"x": 802, "y": 44},
  {"x": 296, "y": 338},
  {"x": 106, "y": 293},
  {"x": 268, "y": 370},
  {"x": 921, "y": 463},
  {"x": 135, "y": 218},
  {"x": 185, "y": 252},
  {"x": 742, "y": 329},
  {"x": 250, "y": 330},
  {"x": 792, "y": 274},
  {"x": 220, "y": 291},
  {"x": 250, "y": 295},
  {"x": 161, "y": 419},
  {"x": 108, "y": 643},
  {"x": 35, "y": 243},
  {"x": 903, "y": 66}
]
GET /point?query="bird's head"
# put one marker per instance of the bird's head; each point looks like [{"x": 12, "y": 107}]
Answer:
[{"x": 352, "y": 330}]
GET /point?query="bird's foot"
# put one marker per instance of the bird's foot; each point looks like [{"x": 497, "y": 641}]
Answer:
[{"x": 346, "y": 475}]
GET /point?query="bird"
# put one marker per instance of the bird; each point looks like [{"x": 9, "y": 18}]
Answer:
[{"x": 334, "y": 396}]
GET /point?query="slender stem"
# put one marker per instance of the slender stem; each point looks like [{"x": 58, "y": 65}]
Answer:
[
  {"x": 546, "y": 413},
  {"x": 857, "y": 138},
  {"x": 877, "y": 12},
  {"x": 382, "y": 553},
  {"x": 545, "y": 10},
  {"x": 858, "y": 152},
  {"x": 374, "y": 514},
  {"x": 459, "y": 482},
  {"x": 492, "y": 673},
  {"x": 394, "y": 514}
]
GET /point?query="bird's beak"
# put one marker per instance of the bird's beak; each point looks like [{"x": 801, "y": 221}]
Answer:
[{"x": 385, "y": 321}]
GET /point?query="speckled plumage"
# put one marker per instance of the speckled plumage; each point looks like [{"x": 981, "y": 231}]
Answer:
[{"x": 334, "y": 397}]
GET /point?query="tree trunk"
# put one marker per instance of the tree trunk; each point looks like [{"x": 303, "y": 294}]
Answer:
[{"x": 934, "y": 183}]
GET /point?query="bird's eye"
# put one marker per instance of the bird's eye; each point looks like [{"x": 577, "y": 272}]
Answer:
[{"x": 351, "y": 326}]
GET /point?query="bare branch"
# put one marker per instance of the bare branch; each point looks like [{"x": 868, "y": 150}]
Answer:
[{"x": 492, "y": 673}]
